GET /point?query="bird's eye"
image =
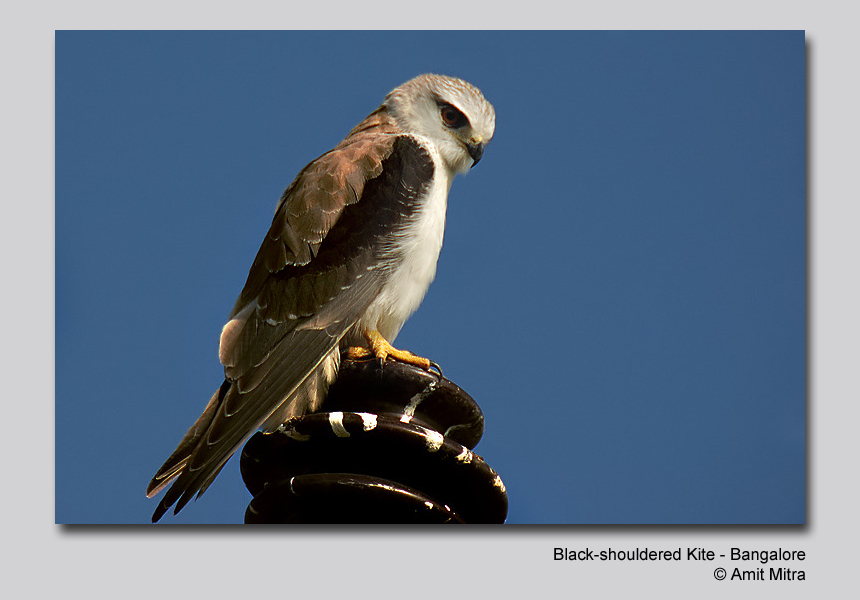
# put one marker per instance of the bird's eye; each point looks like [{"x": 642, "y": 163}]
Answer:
[{"x": 452, "y": 117}]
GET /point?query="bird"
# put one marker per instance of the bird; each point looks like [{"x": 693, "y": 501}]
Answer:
[{"x": 349, "y": 256}]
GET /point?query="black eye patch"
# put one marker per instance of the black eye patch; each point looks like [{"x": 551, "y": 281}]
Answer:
[{"x": 451, "y": 116}]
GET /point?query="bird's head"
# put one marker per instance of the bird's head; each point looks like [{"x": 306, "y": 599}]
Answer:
[{"x": 450, "y": 112}]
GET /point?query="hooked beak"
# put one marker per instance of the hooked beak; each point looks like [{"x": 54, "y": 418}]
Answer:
[{"x": 476, "y": 151}]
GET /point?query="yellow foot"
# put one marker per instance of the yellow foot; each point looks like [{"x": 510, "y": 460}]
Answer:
[{"x": 382, "y": 350}]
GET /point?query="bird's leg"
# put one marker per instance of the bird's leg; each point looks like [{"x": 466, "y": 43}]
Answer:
[{"x": 381, "y": 349}]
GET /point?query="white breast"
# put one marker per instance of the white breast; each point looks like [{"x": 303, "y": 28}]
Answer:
[{"x": 418, "y": 246}]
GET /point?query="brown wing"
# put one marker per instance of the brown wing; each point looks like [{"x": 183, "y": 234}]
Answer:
[
  {"x": 290, "y": 281},
  {"x": 316, "y": 199},
  {"x": 320, "y": 266}
]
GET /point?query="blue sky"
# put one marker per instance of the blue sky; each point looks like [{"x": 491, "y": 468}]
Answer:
[{"x": 622, "y": 286}]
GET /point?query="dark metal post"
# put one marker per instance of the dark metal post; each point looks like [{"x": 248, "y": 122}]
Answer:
[{"x": 389, "y": 445}]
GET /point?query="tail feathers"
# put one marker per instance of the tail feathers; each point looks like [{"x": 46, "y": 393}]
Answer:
[
  {"x": 183, "y": 491},
  {"x": 231, "y": 417},
  {"x": 187, "y": 486},
  {"x": 177, "y": 461}
]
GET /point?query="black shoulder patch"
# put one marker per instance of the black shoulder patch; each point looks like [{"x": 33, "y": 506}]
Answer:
[{"x": 357, "y": 239}]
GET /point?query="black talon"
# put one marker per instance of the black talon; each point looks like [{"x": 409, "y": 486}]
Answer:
[{"x": 434, "y": 365}]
